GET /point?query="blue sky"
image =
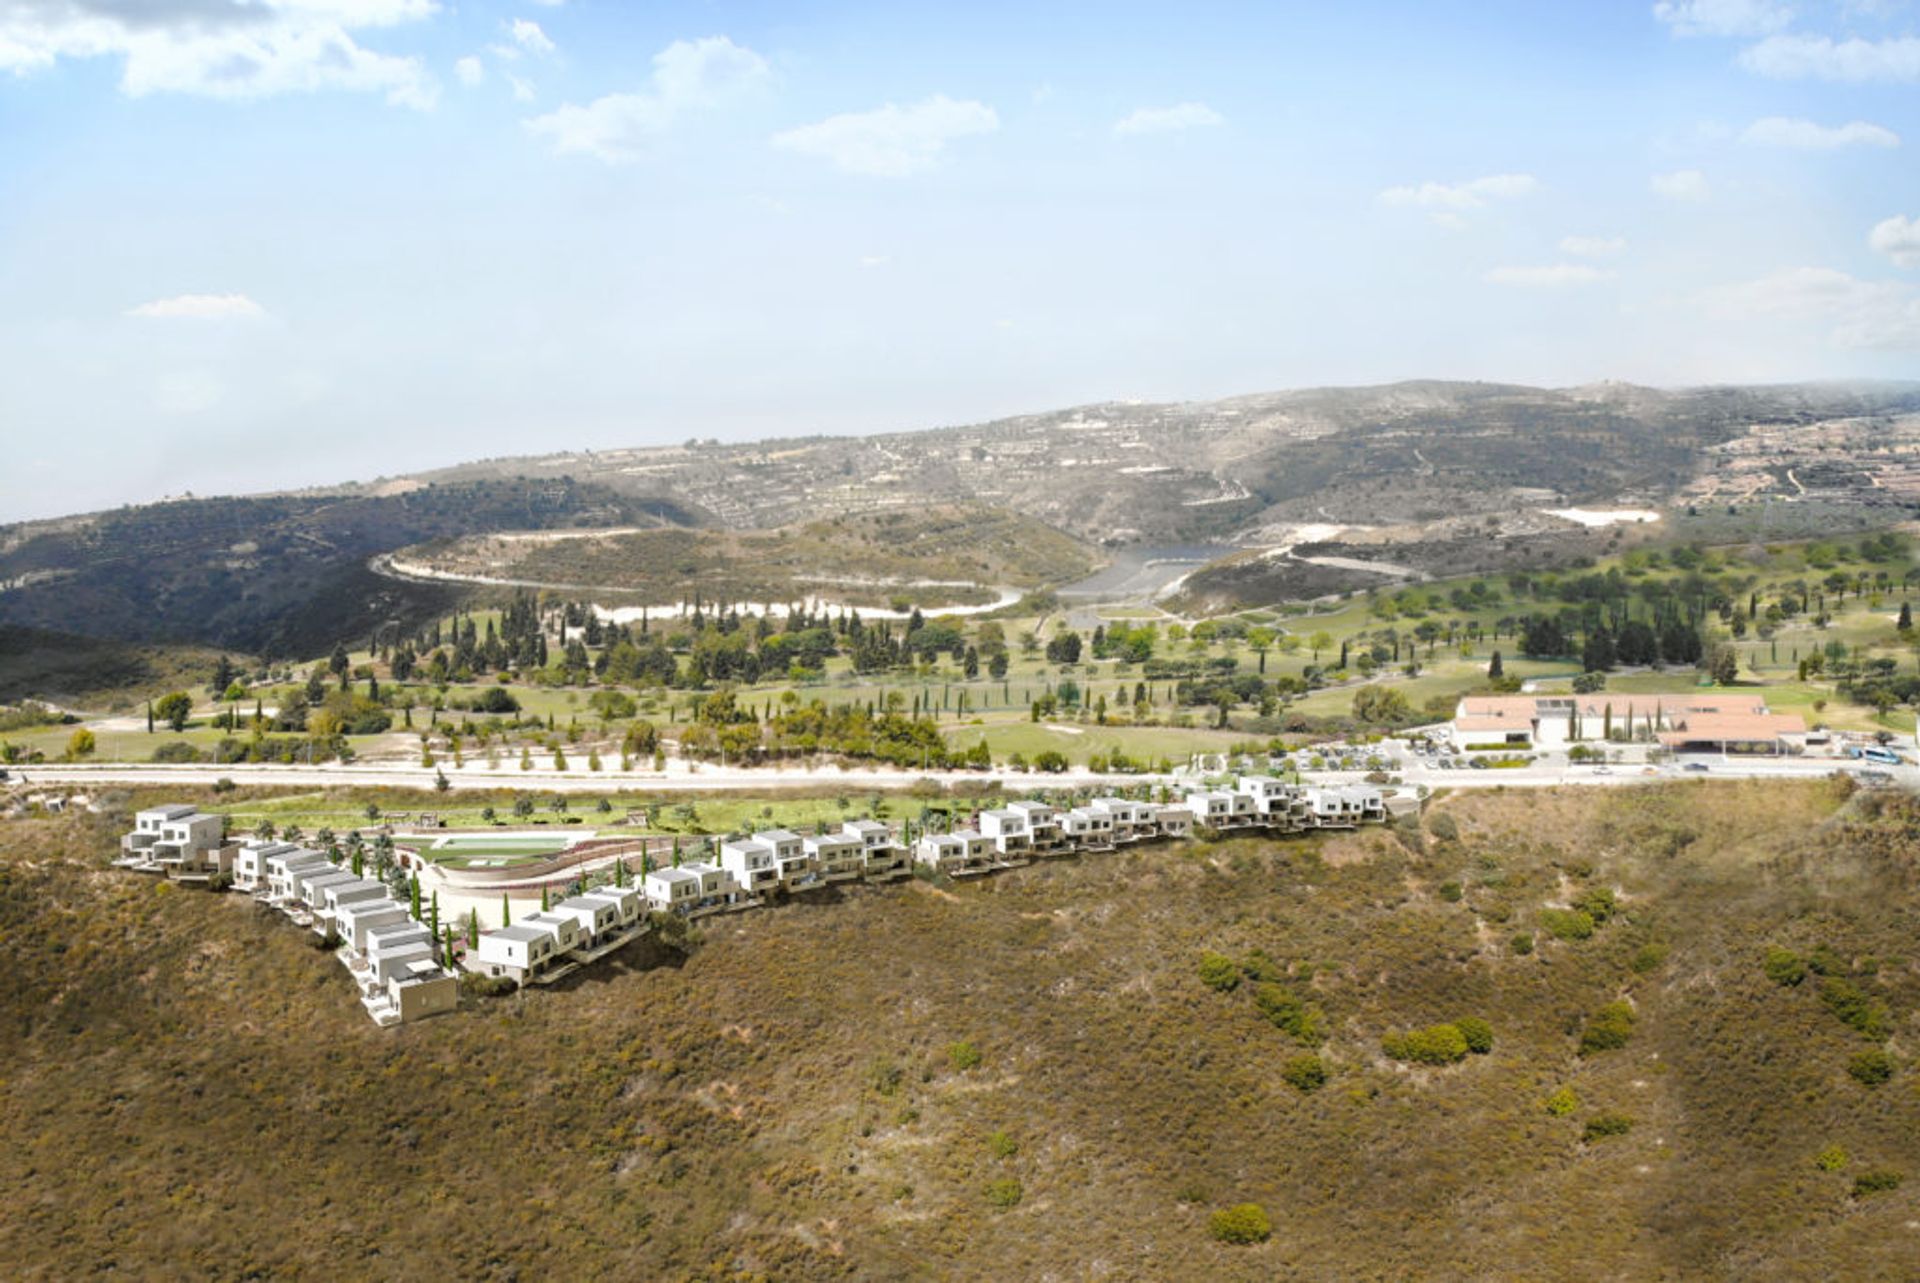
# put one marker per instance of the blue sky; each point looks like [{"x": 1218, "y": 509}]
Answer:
[{"x": 261, "y": 243}]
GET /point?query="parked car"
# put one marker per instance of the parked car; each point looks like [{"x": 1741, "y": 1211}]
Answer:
[{"x": 1695, "y": 766}]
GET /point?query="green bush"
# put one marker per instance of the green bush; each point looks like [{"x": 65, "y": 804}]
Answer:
[
  {"x": 1598, "y": 904},
  {"x": 1435, "y": 1045},
  {"x": 1259, "y": 967},
  {"x": 1522, "y": 943},
  {"x": 963, "y": 1056},
  {"x": 1871, "y": 1068},
  {"x": 1785, "y": 967},
  {"x": 1855, "y": 1009},
  {"x": 1450, "y": 892},
  {"x": 1305, "y": 1072},
  {"x": 1218, "y": 971},
  {"x": 1278, "y": 1004},
  {"x": 1241, "y": 1223},
  {"x": 1825, "y": 962},
  {"x": 1562, "y": 1102},
  {"x": 1477, "y": 1032},
  {"x": 1608, "y": 1029},
  {"x": 1649, "y": 957},
  {"x": 1003, "y": 1145},
  {"x": 1005, "y": 1192},
  {"x": 1831, "y": 1159},
  {"x": 1567, "y": 924},
  {"x": 1601, "y": 1126},
  {"x": 1877, "y": 1181}
]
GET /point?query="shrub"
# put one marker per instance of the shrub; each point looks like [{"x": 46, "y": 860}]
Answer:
[
  {"x": 1877, "y": 1181},
  {"x": 1258, "y": 966},
  {"x": 1855, "y": 1009},
  {"x": 1305, "y": 1072},
  {"x": 1567, "y": 924},
  {"x": 1601, "y": 1126},
  {"x": 1277, "y": 1004},
  {"x": 1871, "y": 1068},
  {"x": 1241, "y": 1223},
  {"x": 963, "y": 1056},
  {"x": 1435, "y": 1045},
  {"x": 1649, "y": 957},
  {"x": 1522, "y": 943},
  {"x": 1005, "y": 1192},
  {"x": 1825, "y": 962},
  {"x": 1608, "y": 1029},
  {"x": 1785, "y": 967},
  {"x": 1450, "y": 892},
  {"x": 1003, "y": 1145},
  {"x": 1477, "y": 1032},
  {"x": 1218, "y": 971},
  {"x": 1562, "y": 1102},
  {"x": 1598, "y": 904},
  {"x": 176, "y": 751},
  {"x": 885, "y": 1077},
  {"x": 1831, "y": 1159}
]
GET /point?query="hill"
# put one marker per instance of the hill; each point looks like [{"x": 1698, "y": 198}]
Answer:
[
  {"x": 949, "y": 553},
  {"x": 792, "y": 1100},
  {"x": 287, "y": 575}
]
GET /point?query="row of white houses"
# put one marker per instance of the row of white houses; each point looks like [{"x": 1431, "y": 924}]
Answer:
[
  {"x": 748, "y": 870},
  {"x": 394, "y": 959}
]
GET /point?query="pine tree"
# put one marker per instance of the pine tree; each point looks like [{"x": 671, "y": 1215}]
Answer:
[{"x": 1495, "y": 669}]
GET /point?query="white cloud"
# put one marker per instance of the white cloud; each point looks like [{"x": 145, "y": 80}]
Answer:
[
  {"x": 1168, "y": 120},
  {"x": 1687, "y": 185},
  {"x": 550, "y": 4},
  {"x": 216, "y": 49},
  {"x": 1895, "y": 58},
  {"x": 522, "y": 88},
  {"x": 1863, "y": 314},
  {"x": 874, "y": 260},
  {"x": 200, "y": 307},
  {"x": 470, "y": 70},
  {"x": 1551, "y": 276},
  {"x": 687, "y": 75},
  {"x": 1898, "y": 238},
  {"x": 1472, "y": 194},
  {"x": 1723, "y": 17},
  {"x": 527, "y": 34},
  {"x": 1782, "y": 131},
  {"x": 890, "y": 141},
  {"x": 1593, "y": 246}
]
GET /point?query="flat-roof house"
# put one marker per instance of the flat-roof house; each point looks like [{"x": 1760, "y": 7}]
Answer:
[
  {"x": 1221, "y": 809},
  {"x": 880, "y": 856},
  {"x": 871, "y": 833},
  {"x": 564, "y": 929},
  {"x": 517, "y": 952},
  {"x": 284, "y": 865},
  {"x": 1044, "y": 830},
  {"x": 388, "y": 938},
  {"x": 835, "y": 855},
  {"x": 692, "y": 888},
  {"x": 962, "y": 853},
  {"x": 1006, "y": 828},
  {"x": 1088, "y": 827},
  {"x": 335, "y": 895},
  {"x": 629, "y": 903},
  {"x": 798, "y": 870},
  {"x": 1173, "y": 821},
  {"x": 250, "y": 863},
  {"x": 1277, "y": 801},
  {"x": 354, "y": 921},
  {"x": 1131, "y": 820},
  {"x": 418, "y": 990},
  {"x": 1343, "y": 807},
  {"x": 595, "y": 917},
  {"x": 751, "y": 864},
  {"x": 310, "y": 884},
  {"x": 1734, "y": 732}
]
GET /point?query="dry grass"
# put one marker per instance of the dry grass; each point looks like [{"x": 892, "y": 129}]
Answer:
[{"x": 194, "y": 1093}]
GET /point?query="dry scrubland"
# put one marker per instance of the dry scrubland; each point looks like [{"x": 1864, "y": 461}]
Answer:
[{"x": 191, "y": 1091}]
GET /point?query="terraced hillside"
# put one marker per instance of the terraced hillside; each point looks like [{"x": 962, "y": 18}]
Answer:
[
  {"x": 1703, "y": 1071},
  {"x": 954, "y": 553}
]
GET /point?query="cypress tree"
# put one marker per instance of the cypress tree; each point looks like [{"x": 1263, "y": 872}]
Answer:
[{"x": 506, "y": 911}]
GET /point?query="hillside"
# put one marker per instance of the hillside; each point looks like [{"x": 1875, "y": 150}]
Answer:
[
  {"x": 933, "y": 555},
  {"x": 287, "y": 575},
  {"x": 786, "y": 1102}
]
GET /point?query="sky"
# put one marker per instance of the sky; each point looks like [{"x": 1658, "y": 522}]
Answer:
[{"x": 261, "y": 244}]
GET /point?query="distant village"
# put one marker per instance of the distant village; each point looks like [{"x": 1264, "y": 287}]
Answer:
[{"x": 407, "y": 964}]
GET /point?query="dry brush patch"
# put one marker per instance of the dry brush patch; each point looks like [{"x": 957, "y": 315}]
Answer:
[{"x": 889, "y": 1083}]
